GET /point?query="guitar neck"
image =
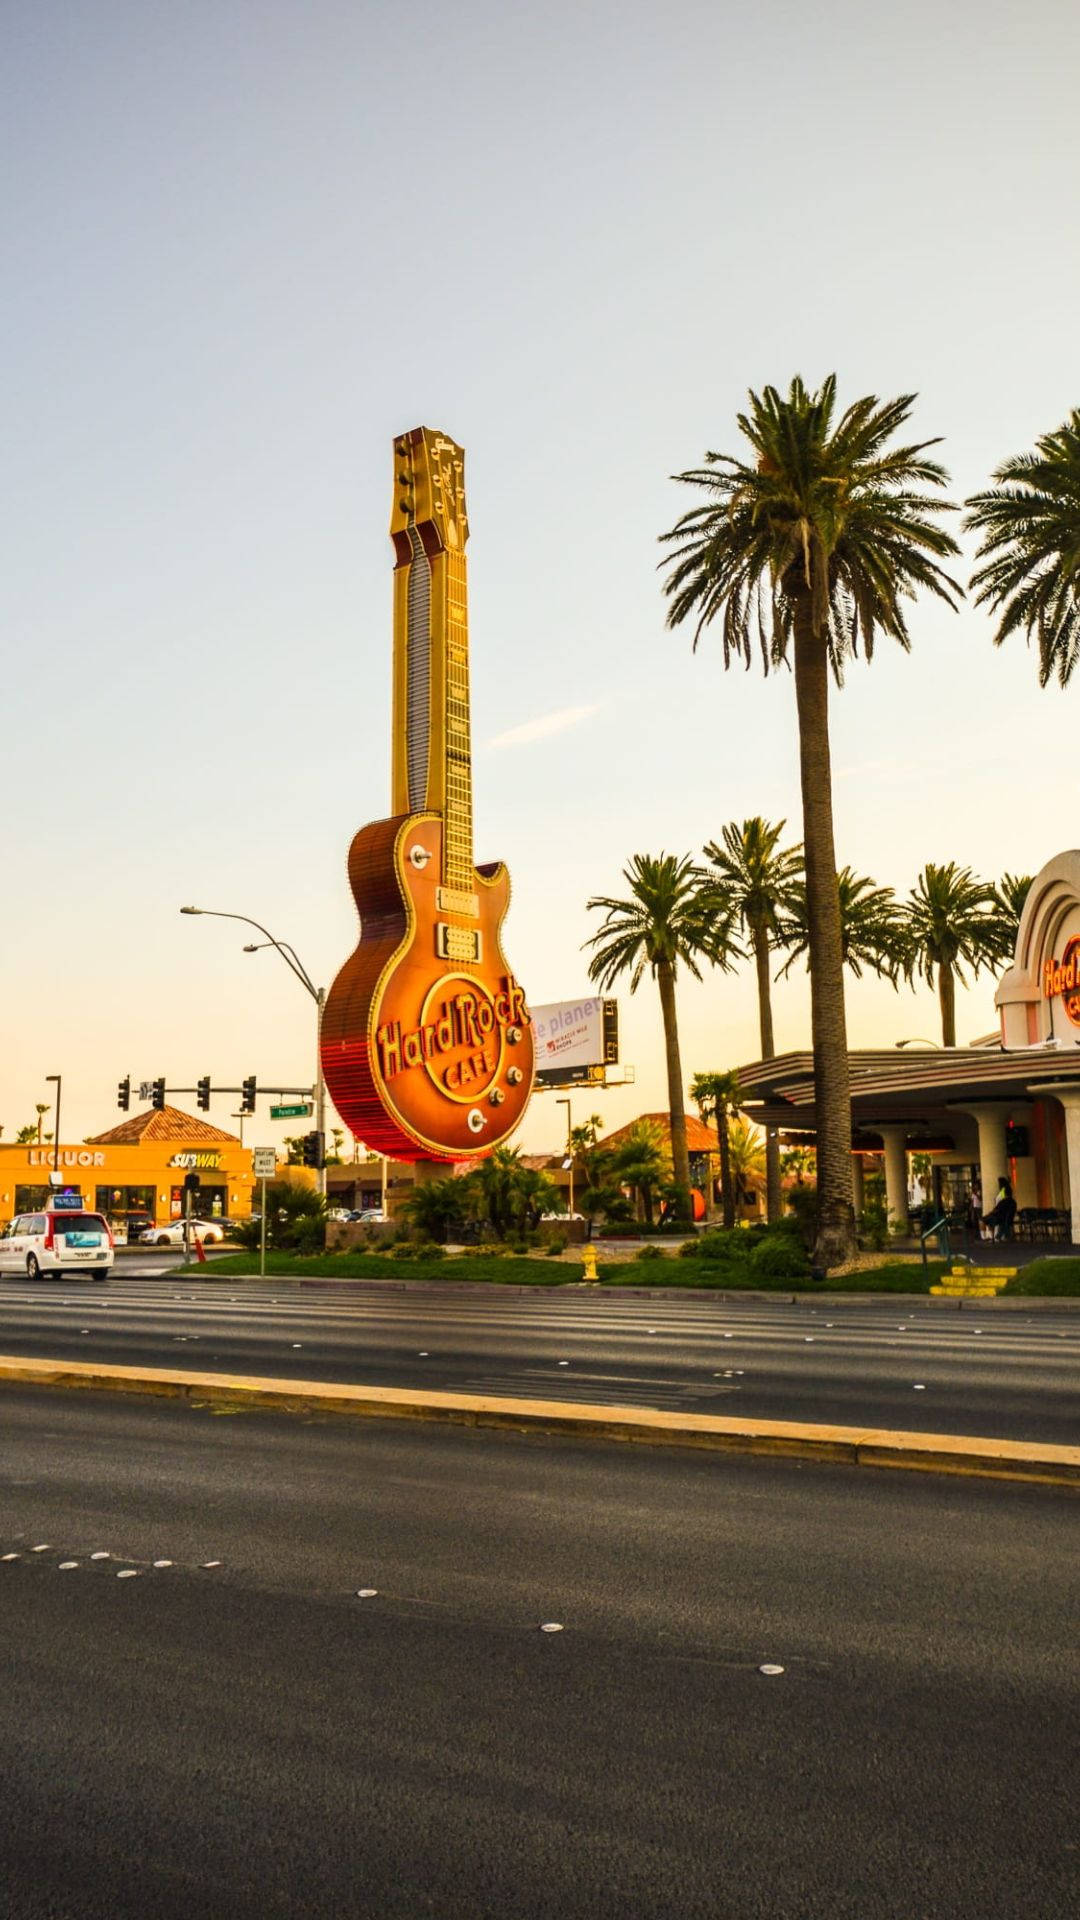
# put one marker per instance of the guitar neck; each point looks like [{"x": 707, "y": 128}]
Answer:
[
  {"x": 457, "y": 807},
  {"x": 432, "y": 739}
]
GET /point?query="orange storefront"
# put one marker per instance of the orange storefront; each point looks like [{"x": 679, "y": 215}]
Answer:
[{"x": 136, "y": 1171}]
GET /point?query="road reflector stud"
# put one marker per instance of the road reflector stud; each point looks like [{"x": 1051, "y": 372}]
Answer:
[
  {"x": 551, "y": 1626},
  {"x": 770, "y": 1668}
]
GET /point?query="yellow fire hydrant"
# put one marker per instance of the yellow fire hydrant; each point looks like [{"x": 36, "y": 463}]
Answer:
[{"x": 588, "y": 1254}]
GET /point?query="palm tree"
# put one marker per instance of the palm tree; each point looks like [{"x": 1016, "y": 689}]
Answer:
[
  {"x": 808, "y": 550},
  {"x": 953, "y": 921},
  {"x": 755, "y": 878},
  {"x": 747, "y": 1156},
  {"x": 873, "y": 927},
  {"x": 1010, "y": 894},
  {"x": 1030, "y": 520},
  {"x": 640, "y": 1163},
  {"x": 716, "y": 1096},
  {"x": 667, "y": 920}
]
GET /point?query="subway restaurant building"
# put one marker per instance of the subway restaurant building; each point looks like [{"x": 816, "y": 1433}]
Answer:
[{"x": 136, "y": 1171}]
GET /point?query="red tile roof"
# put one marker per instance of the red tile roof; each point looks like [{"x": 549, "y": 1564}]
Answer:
[
  {"x": 699, "y": 1138},
  {"x": 168, "y": 1123}
]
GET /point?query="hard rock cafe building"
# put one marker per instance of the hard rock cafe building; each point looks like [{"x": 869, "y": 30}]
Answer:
[{"x": 1009, "y": 1105}]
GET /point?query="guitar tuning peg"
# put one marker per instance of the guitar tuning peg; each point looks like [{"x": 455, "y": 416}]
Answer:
[
  {"x": 515, "y": 1076},
  {"x": 496, "y": 1096}
]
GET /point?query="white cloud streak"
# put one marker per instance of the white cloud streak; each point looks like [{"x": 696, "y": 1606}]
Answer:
[{"x": 540, "y": 729}]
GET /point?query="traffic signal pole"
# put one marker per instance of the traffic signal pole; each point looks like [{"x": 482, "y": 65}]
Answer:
[{"x": 320, "y": 1087}]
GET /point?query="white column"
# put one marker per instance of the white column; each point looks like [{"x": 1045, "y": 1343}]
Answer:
[
  {"x": 990, "y": 1120},
  {"x": 1069, "y": 1098},
  {"x": 858, "y": 1188},
  {"x": 896, "y": 1200}
]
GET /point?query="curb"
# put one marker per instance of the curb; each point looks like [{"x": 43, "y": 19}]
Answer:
[{"x": 1018, "y": 1460}]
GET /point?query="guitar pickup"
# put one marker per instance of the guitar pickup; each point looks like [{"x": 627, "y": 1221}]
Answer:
[
  {"x": 457, "y": 943},
  {"x": 453, "y": 900}
]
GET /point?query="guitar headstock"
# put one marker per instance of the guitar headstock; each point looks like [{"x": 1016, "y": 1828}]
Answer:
[{"x": 429, "y": 486}]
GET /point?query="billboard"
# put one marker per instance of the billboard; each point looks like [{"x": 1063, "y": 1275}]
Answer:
[{"x": 571, "y": 1037}]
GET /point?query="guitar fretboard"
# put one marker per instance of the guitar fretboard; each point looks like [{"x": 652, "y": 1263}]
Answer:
[{"x": 458, "y": 835}]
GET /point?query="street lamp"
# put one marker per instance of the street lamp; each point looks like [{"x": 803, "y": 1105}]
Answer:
[
  {"x": 569, "y": 1161},
  {"x": 56, "y": 1134},
  {"x": 318, "y": 994}
]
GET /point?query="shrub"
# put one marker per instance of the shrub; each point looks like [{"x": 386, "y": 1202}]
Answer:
[
  {"x": 725, "y": 1244},
  {"x": 803, "y": 1203},
  {"x": 650, "y": 1253},
  {"x": 556, "y": 1245},
  {"x": 637, "y": 1229},
  {"x": 779, "y": 1256},
  {"x": 874, "y": 1226}
]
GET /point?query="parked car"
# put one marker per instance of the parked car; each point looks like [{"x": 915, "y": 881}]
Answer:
[
  {"x": 366, "y": 1213},
  {"x": 172, "y": 1234},
  {"x": 135, "y": 1225},
  {"x": 55, "y": 1243}
]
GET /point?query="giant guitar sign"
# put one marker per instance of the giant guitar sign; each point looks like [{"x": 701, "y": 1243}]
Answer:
[{"x": 427, "y": 1046}]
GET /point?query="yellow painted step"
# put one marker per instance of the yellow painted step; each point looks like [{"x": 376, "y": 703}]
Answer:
[{"x": 966, "y": 1293}]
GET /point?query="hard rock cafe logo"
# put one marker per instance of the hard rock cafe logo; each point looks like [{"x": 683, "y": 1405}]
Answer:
[
  {"x": 461, "y": 1038},
  {"x": 1062, "y": 977}
]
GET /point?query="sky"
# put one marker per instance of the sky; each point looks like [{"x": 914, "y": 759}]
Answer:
[{"x": 247, "y": 242}]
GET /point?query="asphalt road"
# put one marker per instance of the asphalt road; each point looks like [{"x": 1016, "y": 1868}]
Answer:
[
  {"x": 236, "y": 1733},
  {"x": 1011, "y": 1375}
]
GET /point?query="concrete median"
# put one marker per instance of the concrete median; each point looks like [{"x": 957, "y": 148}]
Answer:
[{"x": 1023, "y": 1460}]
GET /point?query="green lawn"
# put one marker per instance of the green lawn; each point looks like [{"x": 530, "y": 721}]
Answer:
[
  {"x": 533, "y": 1270},
  {"x": 1050, "y": 1278}
]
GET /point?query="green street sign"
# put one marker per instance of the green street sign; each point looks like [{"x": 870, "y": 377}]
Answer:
[{"x": 302, "y": 1112}]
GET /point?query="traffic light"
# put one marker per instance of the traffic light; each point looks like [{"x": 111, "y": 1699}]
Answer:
[
  {"x": 313, "y": 1149},
  {"x": 202, "y": 1094},
  {"x": 157, "y": 1094},
  {"x": 123, "y": 1093},
  {"x": 247, "y": 1095}
]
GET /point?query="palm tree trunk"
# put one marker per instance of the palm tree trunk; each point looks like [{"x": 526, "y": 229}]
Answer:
[
  {"x": 836, "y": 1214},
  {"x": 946, "y": 986},
  {"x": 727, "y": 1186},
  {"x": 762, "y": 961},
  {"x": 680, "y": 1158}
]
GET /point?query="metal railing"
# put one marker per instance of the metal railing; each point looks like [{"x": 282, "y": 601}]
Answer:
[{"x": 940, "y": 1228}]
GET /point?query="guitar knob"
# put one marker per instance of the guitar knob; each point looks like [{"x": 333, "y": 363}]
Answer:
[
  {"x": 515, "y": 1076},
  {"x": 476, "y": 1121},
  {"x": 513, "y": 1035},
  {"x": 497, "y": 1096},
  {"x": 419, "y": 856}
]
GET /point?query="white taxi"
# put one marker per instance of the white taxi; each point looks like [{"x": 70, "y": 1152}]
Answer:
[{"x": 57, "y": 1242}]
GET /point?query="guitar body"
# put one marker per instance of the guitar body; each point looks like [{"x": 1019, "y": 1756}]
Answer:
[{"x": 427, "y": 1047}]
